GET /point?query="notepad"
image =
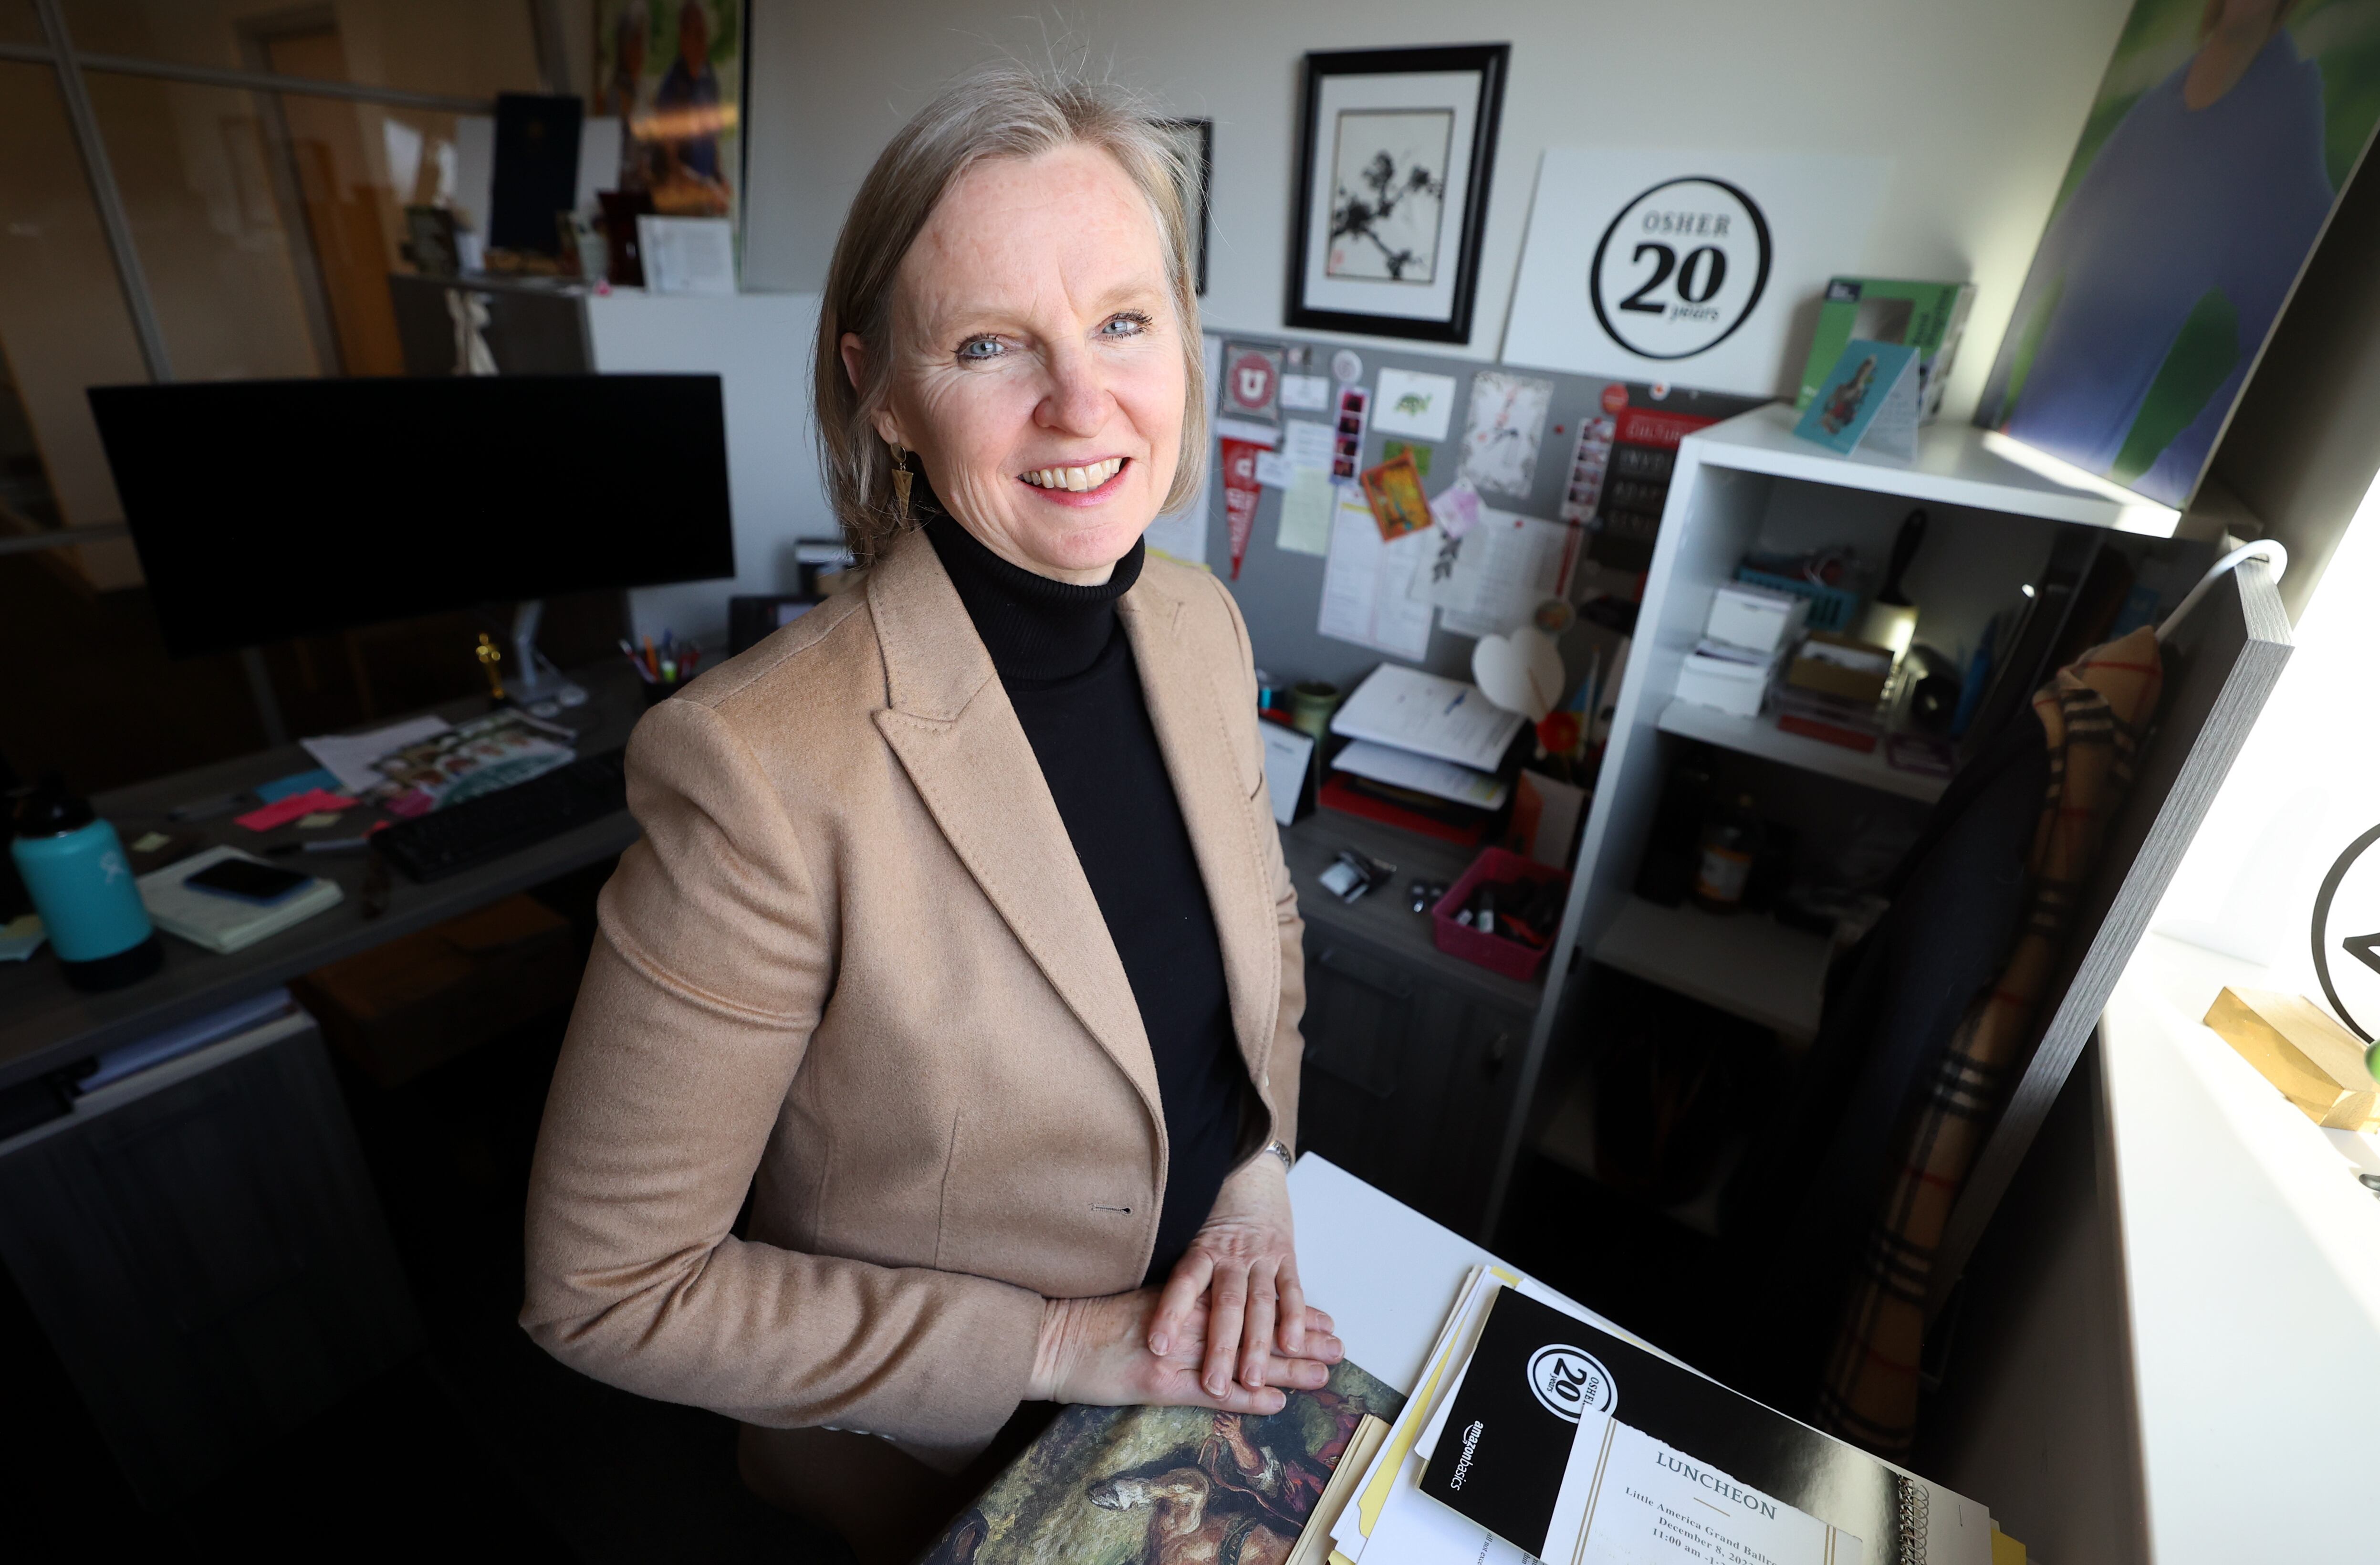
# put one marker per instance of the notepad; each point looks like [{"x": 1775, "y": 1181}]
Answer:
[{"x": 224, "y": 924}]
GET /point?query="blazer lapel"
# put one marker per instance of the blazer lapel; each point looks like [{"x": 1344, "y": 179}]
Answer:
[
  {"x": 950, "y": 723},
  {"x": 1191, "y": 731}
]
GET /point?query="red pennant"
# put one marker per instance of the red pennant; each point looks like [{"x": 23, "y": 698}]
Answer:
[{"x": 1240, "y": 492}]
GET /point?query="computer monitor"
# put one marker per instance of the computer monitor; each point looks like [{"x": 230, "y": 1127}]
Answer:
[{"x": 263, "y": 509}]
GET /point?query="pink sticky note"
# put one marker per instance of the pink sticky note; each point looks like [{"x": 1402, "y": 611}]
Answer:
[{"x": 280, "y": 811}]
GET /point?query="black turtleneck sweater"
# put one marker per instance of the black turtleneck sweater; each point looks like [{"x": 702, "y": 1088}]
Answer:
[{"x": 1067, "y": 665}]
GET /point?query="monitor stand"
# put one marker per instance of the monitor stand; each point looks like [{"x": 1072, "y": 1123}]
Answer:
[{"x": 534, "y": 680}]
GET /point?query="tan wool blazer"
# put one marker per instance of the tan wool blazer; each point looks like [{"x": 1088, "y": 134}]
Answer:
[{"x": 854, "y": 967}]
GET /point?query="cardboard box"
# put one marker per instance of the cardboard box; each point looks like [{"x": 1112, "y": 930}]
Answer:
[
  {"x": 1726, "y": 679},
  {"x": 398, "y": 1010},
  {"x": 1840, "y": 667},
  {"x": 2294, "y": 1044},
  {"x": 1929, "y": 317},
  {"x": 1756, "y": 618}
]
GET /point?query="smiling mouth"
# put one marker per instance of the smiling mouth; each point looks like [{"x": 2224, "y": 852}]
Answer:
[{"x": 1075, "y": 481}]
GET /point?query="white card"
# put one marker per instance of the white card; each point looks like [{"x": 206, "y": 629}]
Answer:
[
  {"x": 1413, "y": 404},
  {"x": 1305, "y": 394}
]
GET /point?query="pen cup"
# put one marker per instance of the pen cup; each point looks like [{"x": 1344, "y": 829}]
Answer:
[
  {"x": 658, "y": 691},
  {"x": 1311, "y": 703}
]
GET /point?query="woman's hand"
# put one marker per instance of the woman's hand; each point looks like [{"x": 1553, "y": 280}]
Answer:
[
  {"x": 1097, "y": 1351},
  {"x": 1243, "y": 1266}
]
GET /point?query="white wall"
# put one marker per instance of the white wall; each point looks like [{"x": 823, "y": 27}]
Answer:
[
  {"x": 1979, "y": 104},
  {"x": 758, "y": 346}
]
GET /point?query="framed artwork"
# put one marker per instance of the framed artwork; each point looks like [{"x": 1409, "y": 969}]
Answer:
[
  {"x": 2208, "y": 169},
  {"x": 672, "y": 72},
  {"x": 1392, "y": 188},
  {"x": 1194, "y": 140}
]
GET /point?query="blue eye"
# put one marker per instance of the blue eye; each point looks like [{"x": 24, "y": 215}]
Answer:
[
  {"x": 978, "y": 348},
  {"x": 1125, "y": 325}
]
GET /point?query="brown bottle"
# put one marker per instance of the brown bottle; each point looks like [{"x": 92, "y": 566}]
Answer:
[{"x": 1730, "y": 843}]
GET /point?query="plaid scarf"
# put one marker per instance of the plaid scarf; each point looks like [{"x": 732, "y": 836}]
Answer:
[{"x": 2093, "y": 713}]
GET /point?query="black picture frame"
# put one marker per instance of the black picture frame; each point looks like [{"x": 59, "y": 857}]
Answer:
[
  {"x": 1491, "y": 63},
  {"x": 1196, "y": 141}
]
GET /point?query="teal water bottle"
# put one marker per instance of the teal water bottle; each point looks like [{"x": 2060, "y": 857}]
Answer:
[{"x": 83, "y": 888}]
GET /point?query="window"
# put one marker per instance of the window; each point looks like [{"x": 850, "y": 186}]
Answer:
[
  {"x": 216, "y": 188},
  {"x": 180, "y": 202}
]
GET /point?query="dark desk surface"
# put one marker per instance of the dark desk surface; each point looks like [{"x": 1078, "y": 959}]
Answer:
[
  {"x": 1386, "y": 917},
  {"x": 45, "y": 1024}
]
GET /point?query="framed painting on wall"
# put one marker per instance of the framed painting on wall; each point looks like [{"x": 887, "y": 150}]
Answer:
[
  {"x": 1194, "y": 141},
  {"x": 2217, "y": 149},
  {"x": 1394, "y": 168}
]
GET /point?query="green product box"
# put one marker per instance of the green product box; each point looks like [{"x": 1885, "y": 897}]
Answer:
[{"x": 1930, "y": 317}]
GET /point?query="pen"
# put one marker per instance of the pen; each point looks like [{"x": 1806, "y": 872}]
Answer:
[{"x": 322, "y": 845}]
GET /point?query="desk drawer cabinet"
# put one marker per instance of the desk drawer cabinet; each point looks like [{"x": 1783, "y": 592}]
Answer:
[
  {"x": 1407, "y": 1077},
  {"x": 204, "y": 1247}
]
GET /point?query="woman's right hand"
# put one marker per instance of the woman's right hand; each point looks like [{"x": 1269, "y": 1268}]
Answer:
[{"x": 1096, "y": 1350}]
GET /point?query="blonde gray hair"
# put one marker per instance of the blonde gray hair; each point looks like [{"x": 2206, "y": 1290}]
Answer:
[{"x": 1005, "y": 110}]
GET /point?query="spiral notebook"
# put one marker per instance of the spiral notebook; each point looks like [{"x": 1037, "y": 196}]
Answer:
[{"x": 224, "y": 924}]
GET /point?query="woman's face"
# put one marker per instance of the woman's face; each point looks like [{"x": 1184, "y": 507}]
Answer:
[{"x": 1038, "y": 368}]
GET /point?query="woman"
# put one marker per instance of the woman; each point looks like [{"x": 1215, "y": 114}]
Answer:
[{"x": 959, "y": 936}]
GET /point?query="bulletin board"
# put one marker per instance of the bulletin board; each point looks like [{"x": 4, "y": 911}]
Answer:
[{"x": 1280, "y": 592}]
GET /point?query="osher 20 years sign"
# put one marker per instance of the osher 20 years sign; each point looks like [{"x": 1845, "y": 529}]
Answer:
[
  {"x": 1684, "y": 266},
  {"x": 1679, "y": 268}
]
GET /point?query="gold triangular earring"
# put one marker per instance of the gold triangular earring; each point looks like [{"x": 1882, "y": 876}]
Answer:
[{"x": 899, "y": 480}]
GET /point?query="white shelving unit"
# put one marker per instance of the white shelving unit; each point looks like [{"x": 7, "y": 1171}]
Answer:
[
  {"x": 1956, "y": 465},
  {"x": 1746, "y": 964},
  {"x": 1761, "y": 736},
  {"x": 1750, "y": 482}
]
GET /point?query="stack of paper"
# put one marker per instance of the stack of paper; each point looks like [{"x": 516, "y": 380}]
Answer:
[
  {"x": 1422, "y": 743},
  {"x": 1535, "y": 1435}
]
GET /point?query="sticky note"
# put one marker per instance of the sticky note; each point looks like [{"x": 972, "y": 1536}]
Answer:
[
  {"x": 318, "y": 820},
  {"x": 297, "y": 782},
  {"x": 149, "y": 842},
  {"x": 280, "y": 811},
  {"x": 20, "y": 937}
]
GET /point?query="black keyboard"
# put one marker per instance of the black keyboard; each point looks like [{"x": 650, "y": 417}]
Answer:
[{"x": 464, "y": 836}]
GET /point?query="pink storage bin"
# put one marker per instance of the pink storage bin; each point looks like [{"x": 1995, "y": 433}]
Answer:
[{"x": 1492, "y": 951}]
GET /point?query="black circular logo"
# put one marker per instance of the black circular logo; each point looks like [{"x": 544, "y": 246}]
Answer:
[
  {"x": 1569, "y": 1381},
  {"x": 1679, "y": 268},
  {"x": 2364, "y": 949}
]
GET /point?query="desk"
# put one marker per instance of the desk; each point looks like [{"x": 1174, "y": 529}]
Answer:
[
  {"x": 1387, "y": 1276},
  {"x": 45, "y": 1024},
  {"x": 1384, "y": 1273},
  {"x": 202, "y": 1241}
]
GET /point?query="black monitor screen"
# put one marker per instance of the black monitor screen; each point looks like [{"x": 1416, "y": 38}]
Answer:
[{"x": 263, "y": 509}]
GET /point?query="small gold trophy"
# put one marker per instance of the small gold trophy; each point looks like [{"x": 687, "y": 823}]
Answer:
[{"x": 490, "y": 656}]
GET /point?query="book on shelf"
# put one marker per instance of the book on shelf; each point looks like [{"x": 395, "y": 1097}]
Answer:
[{"x": 1929, "y": 317}]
